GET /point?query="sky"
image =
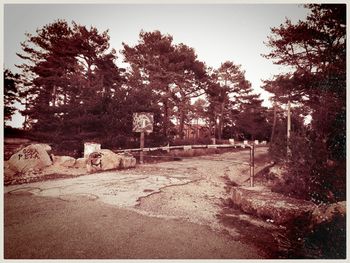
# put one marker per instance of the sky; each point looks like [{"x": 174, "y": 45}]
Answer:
[{"x": 217, "y": 32}]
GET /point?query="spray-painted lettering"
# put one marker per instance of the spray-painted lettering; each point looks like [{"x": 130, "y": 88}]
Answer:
[
  {"x": 95, "y": 159},
  {"x": 29, "y": 154}
]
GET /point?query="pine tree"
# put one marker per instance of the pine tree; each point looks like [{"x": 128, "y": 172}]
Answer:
[
  {"x": 10, "y": 93},
  {"x": 171, "y": 71},
  {"x": 72, "y": 74}
]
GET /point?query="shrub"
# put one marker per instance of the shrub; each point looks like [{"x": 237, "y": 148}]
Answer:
[{"x": 309, "y": 174}]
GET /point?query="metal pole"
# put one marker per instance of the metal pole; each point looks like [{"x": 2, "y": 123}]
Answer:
[
  {"x": 253, "y": 150},
  {"x": 288, "y": 128},
  {"x": 142, "y": 144}
]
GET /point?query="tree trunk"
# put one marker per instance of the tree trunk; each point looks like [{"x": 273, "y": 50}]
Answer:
[
  {"x": 182, "y": 122},
  {"x": 220, "y": 124},
  {"x": 166, "y": 118},
  {"x": 274, "y": 123}
]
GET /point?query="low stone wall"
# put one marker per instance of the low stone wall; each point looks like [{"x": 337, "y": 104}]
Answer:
[
  {"x": 280, "y": 209},
  {"x": 275, "y": 207}
]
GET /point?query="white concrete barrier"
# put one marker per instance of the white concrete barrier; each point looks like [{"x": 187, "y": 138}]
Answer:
[{"x": 90, "y": 147}]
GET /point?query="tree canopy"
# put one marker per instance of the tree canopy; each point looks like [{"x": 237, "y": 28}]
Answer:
[
  {"x": 315, "y": 51},
  {"x": 73, "y": 90}
]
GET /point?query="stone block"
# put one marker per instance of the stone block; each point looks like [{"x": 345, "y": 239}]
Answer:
[
  {"x": 127, "y": 162},
  {"x": 90, "y": 147},
  {"x": 65, "y": 161},
  {"x": 269, "y": 205}
]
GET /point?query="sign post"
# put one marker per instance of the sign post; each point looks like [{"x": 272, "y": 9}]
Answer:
[
  {"x": 142, "y": 144},
  {"x": 142, "y": 122},
  {"x": 252, "y": 149}
]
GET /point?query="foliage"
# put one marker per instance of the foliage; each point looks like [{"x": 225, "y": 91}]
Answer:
[
  {"x": 10, "y": 93},
  {"x": 234, "y": 110},
  {"x": 329, "y": 238},
  {"x": 315, "y": 50},
  {"x": 74, "y": 84},
  {"x": 170, "y": 73}
]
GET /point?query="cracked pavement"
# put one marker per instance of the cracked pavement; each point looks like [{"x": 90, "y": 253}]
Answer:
[{"x": 191, "y": 190}]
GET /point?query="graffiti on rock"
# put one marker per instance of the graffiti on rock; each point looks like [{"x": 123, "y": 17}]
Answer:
[
  {"x": 29, "y": 154},
  {"x": 95, "y": 159}
]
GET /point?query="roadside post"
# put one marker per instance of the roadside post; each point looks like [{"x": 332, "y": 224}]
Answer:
[
  {"x": 252, "y": 149},
  {"x": 142, "y": 143},
  {"x": 142, "y": 123}
]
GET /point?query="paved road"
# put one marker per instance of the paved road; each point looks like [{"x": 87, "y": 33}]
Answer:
[
  {"x": 166, "y": 210},
  {"x": 50, "y": 228}
]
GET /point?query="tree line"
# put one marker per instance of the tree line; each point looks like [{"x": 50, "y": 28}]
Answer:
[
  {"x": 73, "y": 91},
  {"x": 72, "y": 88}
]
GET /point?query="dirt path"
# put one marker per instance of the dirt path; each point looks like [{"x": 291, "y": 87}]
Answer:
[{"x": 190, "y": 191}]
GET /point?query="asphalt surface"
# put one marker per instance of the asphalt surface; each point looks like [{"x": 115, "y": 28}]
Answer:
[
  {"x": 168, "y": 210},
  {"x": 51, "y": 228}
]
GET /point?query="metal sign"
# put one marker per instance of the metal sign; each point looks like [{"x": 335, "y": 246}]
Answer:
[{"x": 142, "y": 122}]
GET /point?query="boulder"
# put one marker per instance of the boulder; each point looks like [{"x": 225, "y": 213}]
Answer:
[
  {"x": 80, "y": 163},
  {"x": 273, "y": 206},
  {"x": 127, "y": 161},
  {"x": 103, "y": 160},
  {"x": 34, "y": 156},
  {"x": 327, "y": 213},
  {"x": 8, "y": 172},
  {"x": 65, "y": 161}
]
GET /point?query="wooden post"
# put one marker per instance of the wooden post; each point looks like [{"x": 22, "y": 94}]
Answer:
[
  {"x": 252, "y": 148},
  {"x": 142, "y": 144}
]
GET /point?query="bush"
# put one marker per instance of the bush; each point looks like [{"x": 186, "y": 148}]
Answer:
[
  {"x": 15, "y": 133},
  {"x": 202, "y": 141},
  {"x": 309, "y": 173},
  {"x": 74, "y": 148},
  {"x": 329, "y": 238}
]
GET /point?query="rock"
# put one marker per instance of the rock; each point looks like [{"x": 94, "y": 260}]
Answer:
[
  {"x": 127, "y": 161},
  {"x": 80, "y": 163},
  {"x": 327, "y": 213},
  {"x": 277, "y": 171},
  {"x": 65, "y": 161},
  {"x": 34, "y": 156},
  {"x": 273, "y": 206},
  {"x": 103, "y": 160},
  {"x": 8, "y": 172}
]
